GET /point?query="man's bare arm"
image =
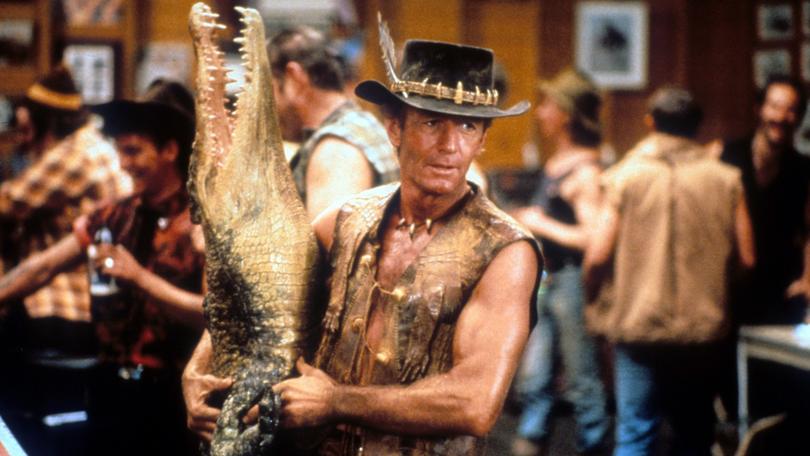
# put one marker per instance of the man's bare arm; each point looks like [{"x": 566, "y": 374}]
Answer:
[
  {"x": 490, "y": 335},
  {"x": 324, "y": 226},
  {"x": 744, "y": 234},
  {"x": 38, "y": 269},
  {"x": 184, "y": 306},
  {"x": 585, "y": 201},
  {"x": 600, "y": 249},
  {"x": 336, "y": 171},
  {"x": 198, "y": 383}
]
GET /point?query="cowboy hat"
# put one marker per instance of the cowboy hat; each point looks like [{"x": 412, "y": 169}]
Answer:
[{"x": 441, "y": 77}]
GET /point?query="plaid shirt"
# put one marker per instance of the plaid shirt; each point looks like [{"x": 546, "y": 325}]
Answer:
[
  {"x": 68, "y": 180},
  {"x": 132, "y": 327}
]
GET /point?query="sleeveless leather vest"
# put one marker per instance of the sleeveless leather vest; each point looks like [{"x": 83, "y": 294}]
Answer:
[{"x": 424, "y": 307}]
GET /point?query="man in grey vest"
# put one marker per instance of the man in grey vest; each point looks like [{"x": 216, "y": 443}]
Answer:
[{"x": 344, "y": 149}]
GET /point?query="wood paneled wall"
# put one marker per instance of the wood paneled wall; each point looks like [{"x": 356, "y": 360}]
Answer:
[
  {"x": 702, "y": 45},
  {"x": 719, "y": 66},
  {"x": 506, "y": 26}
]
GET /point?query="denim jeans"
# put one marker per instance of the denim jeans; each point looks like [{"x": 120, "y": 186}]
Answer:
[
  {"x": 561, "y": 327},
  {"x": 657, "y": 381}
]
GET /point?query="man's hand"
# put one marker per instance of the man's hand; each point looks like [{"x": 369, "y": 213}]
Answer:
[
  {"x": 116, "y": 261},
  {"x": 307, "y": 400},
  {"x": 201, "y": 417},
  {"x": 799, "y": 287}
]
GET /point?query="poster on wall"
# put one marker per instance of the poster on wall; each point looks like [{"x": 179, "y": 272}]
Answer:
[
  {"x": 93, "y": 68},
  {"x": 775, "y": 22},
  {"x": 16, "y": 42},
  {"x": 770, "y": 62},
  {"x": 611, "y": 43}
]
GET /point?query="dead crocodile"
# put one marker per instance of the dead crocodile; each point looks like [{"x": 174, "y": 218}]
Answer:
[{"x": 261, "y": 253}]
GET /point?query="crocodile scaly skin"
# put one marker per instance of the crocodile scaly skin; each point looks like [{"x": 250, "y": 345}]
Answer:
[{"x": 261, "y": 254}]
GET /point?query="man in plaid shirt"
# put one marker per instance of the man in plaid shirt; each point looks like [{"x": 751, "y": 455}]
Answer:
[{"x": 74, "y": 168}]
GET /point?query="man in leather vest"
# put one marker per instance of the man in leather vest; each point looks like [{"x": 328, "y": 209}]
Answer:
[{"x": 432, "y": 286}]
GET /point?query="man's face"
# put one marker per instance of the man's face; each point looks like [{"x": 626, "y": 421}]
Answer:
[
  {"x": 779, "y": 114},
  {"x": 142, "y": 160},
  {"x": 551, "y": 119},
  {"x": 435, "y": 150},
  {"x": 288, "y": 118}
]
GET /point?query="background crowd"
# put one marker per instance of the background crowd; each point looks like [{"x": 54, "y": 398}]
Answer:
[{"x": 652, "y": 264}]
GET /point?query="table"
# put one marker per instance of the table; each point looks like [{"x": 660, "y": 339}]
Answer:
[
  {"x": 789, "y": 345},
  {"x": 8, "y": 444}
]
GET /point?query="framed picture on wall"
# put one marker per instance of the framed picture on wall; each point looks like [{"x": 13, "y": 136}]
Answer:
[
  {"x": 93, "y": 68},
  {"x": 770, "y": 62},
  {"x": 17, "y": 46},
  {"x": 775, "y": 22},
  {"x": 611, "y": 43}
]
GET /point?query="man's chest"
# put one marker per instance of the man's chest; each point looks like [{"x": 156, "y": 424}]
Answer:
[{"x": 398, "y": 251}]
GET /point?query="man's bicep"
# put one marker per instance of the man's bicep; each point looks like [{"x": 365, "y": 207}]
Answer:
[
  {"x": 336, "y": 171},
  {"x": 324, "y": 226},
  {"x": 494, "y": 325},
  {"x": 744, "y": 233}
]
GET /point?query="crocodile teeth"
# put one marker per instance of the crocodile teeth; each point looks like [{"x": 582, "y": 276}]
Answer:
[{"x": 213, "y": 25}]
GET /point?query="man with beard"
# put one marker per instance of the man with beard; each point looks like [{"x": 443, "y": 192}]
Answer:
[
  {"x": 775, "y": 178},
  {"x": 344, "y": 149}
]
